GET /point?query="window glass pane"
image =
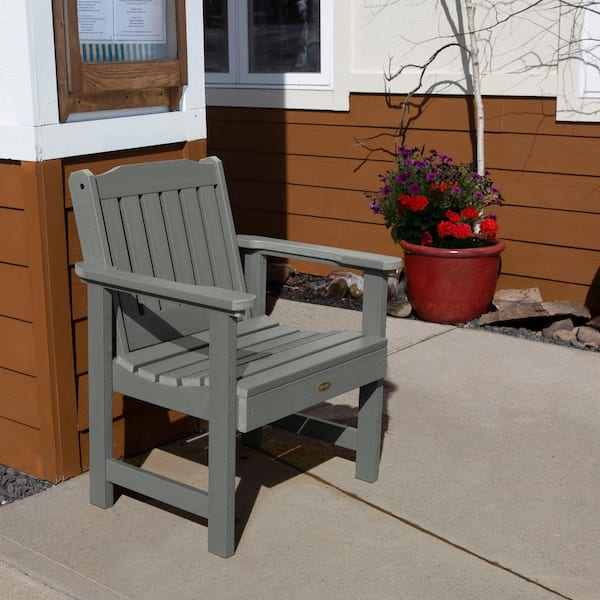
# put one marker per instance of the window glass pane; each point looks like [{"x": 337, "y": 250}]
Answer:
[
  {"x": 216, "y": 39},
  {"x": 126, "y": 31},
  {"x": 284, "y": 36}
]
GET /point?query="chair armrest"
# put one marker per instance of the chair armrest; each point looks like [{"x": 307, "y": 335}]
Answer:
[
  {"x": 196, "y": 295},
  {"x": 315, "y": 253}
]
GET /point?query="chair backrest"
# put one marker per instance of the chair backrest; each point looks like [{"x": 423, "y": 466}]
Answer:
[{"x": 169, "y": 219}]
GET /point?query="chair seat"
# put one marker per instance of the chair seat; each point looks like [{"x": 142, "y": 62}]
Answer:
[{"x": 280, "y": 369}]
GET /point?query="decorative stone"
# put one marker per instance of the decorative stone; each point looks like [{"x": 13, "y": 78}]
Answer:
[
  {"x": 528, "y": 310},
  {"x": 565, "y": 336},
  {"x": 595, "y": 322},
  {"x": 280, "y": 272},
  {"x": 562, "y": 307},
  {"x": 563, "y": 324},
  {"x": 355, "y": 290},
  {"x": 514, "y": 312},
  {"x": 338, "y": 288},
  {"x": 399, "y": 307},
  {"x": 504, "y": 298},
  {"x": 588, "y": 335}
]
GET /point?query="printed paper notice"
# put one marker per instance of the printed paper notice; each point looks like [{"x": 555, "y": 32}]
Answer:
[
  {"x": 138, "y": 21},
  {"x": 95, "y": 20}
]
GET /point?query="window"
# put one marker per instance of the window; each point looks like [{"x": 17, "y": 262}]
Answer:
[{"x": 268, "y": 43}]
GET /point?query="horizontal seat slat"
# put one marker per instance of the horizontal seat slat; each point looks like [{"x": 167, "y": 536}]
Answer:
[
  {"x": 297, "y": 350},
  {"x": 195, "y": 374},
  {"x": 326, "y": 341},
  {"x": 173, "y": 366},
  {"x": 132, "y": 361},
  {"x": 280, "y": 374}
]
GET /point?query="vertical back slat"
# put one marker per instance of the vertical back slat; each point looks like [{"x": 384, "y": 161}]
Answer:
[
  {"x": 213, "y": 229},
  {"x": 177, "y": 236},
  {"x": 119, "y": 253},
  {"x": 157, "y": 237},
  {"x": 194, "y": 228},
  {"x": 135, "y": 233}
]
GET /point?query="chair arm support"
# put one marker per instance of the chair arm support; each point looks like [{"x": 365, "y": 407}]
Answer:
[
  {"x": 316, "y": 253},
  {"x": 204, "y": 296}
]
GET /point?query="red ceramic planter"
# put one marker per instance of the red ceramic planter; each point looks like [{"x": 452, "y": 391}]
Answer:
[{"x": 451, "y": 286}]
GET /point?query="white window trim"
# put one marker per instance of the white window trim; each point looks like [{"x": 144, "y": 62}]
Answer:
[
  {"x": 578, "y": 93},
  {"x": 327, "y": 90}
]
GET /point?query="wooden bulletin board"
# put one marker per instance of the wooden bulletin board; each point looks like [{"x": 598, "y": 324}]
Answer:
[{"x": 113, "y": 54}]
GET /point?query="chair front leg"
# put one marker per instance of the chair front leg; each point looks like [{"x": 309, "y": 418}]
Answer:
[
  {"x": 222, "y": 435},
  {"x": 368, "y": 444},
  {"x": 100, "y": 348}
]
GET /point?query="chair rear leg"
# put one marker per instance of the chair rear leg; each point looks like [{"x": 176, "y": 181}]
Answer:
[
  {"x": 368, "y": 446},
  {"x": 101, "y": 491},
  {"x": 100, "y": 394}
]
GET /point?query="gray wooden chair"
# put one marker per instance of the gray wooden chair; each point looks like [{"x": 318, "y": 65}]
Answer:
[{"x": 174, "y": 320}]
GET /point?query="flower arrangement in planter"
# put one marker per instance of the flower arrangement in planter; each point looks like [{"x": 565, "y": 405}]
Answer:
[
  {"x": 430, "y": 201},
  {"x": 434, "y": 209}
]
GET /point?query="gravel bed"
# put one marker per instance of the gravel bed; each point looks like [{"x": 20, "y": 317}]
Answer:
[
  {"x": 313, "y": 289},
  {"x": 15, "y": 485}
]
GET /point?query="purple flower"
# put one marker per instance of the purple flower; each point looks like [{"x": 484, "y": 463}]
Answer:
[
  {"x": 414, "y": 188},
  {"x": 420, "y": 164},
  {"x": 495, "y": 190},
  {"x": 404, "y": 151},
  {"x": 375, "y": 207},
  {"x": 385, "y": 190},
  {"x": 430, "y": 176},
  {"x": 456, "y": 190},
  {"x": 410, "y": 162},
  {"x": 493, "y": 217},
  {"x": 478, "y": 195},
  {"x": 403, "y": 178}
]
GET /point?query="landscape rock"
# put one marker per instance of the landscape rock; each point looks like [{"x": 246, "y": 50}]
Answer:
[
  {"x": 514, "y": 312},
  {"x": 563, "y": 324},
  {"x": 337, "y": 289},
  {"x": 595, "y": 322},
  {"x": 565, "y": 335},
  {"x": 517, "y": 311},
  {"x": 588, "y": 335},
  {"x": 280, "y": 272},
  {"x": 563, "y": 307},
  {"x": 504, "y": 298},
  {"x": 399, "y": 307}
]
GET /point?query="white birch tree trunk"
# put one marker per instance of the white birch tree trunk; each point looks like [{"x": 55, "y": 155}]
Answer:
[{"x": 476, "y": 81}]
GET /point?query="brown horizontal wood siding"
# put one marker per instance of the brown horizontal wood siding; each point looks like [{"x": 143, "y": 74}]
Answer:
[
  {"x": 302, "y": 175},
  {"x": 20, "y": 421}
]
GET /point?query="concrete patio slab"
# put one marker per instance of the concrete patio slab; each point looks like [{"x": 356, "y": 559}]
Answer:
[{"x": 488, "y": 490}]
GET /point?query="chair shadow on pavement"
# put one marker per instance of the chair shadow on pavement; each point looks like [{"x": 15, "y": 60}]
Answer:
[{"x": 280, "y": 457}]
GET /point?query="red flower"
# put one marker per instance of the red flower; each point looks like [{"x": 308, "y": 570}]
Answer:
[
  {"x": 489, "y": 228},
  {"x": 442, "y": 186},
  {"x": 445, "y": 228},
  {"x": 414, "y": 203},
  {"x": 452, "y": 216},
  {"x": 426, "y": 240},
  {"x": 460, "y": 231},
  {"x": 469, "y": 213}
]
